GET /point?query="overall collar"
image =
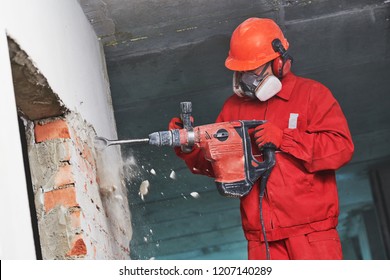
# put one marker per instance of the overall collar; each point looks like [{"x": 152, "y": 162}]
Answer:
[{"x": 288, "y": 83}]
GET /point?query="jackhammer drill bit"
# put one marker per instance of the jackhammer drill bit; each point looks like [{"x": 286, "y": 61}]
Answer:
[
  {"x": 159, "y": 138},
  {"x": 102, "y": 143}
]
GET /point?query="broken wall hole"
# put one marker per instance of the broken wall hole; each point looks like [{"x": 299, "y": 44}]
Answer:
[{"x": 77, "y": 194}]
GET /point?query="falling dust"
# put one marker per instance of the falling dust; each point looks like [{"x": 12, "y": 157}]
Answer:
[
  {"x": 144, "y": 189},
  {"x": 195, "y": 195},
  {"x": 131, "y": 169},
  {"x": 134, "y": 172},
  {"x": 172, "y": 175},
  {"x": 99, "y": 144},
  {"x": 146, "y": 175}
]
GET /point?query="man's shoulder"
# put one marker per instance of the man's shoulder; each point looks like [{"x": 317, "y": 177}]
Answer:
[
  {"x": 233, "y": 99},
  {"x": 313, "y": 85},
  {"x": 307, "y": 80}
]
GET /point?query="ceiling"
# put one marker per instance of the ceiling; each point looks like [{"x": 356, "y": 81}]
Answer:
[{"x": 160, "y": 53}]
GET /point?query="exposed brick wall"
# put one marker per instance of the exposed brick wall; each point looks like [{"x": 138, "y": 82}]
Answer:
[{"x": 82, "y": 211}]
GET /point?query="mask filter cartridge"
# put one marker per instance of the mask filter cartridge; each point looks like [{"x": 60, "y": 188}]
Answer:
[{"x": 268, "y": 88}]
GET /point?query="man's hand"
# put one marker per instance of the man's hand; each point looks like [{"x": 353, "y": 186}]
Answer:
[
  {"x": 177, "y": 123},
  {"x": 268, "y": 133}
]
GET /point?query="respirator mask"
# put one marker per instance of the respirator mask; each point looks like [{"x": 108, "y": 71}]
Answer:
[{"x": 262, "y": 86}]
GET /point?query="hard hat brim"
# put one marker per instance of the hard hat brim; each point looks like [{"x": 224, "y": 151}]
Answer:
[{"x": 245, "y": 65}]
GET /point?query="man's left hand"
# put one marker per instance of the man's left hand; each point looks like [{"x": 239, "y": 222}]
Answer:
[{"x": 268, "y": 133}]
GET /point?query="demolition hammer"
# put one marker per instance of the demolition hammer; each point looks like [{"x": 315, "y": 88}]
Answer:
[{"x": 227, "y": 145}]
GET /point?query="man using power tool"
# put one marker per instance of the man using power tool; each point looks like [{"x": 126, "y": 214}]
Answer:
[{"x": 308, "y": 128}]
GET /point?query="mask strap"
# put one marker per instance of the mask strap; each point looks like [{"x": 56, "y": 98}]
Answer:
[{"x": 264, "y": 69}]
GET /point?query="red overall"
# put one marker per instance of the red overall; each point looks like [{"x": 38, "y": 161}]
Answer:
[{"x": 300, "y": 207}]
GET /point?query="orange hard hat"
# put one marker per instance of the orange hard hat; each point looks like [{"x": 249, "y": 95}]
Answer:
[{"x": 251, "y": 44}]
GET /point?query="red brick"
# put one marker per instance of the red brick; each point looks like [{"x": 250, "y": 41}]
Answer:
[
  {"x": 65, "y": 197},
  {"x": 68, "y": 152},
  {"x": 94, "y": 251},
  {"x": 87, "y": 154},
  {"x": 75, "y": 221},
  {"x": 84, "y": 150},
  {"x": 77, "y": 140},
  {"x": 64, "y": 176},
  {"x": 51, "y": 130},
  {"x": 78, "y": 248}
]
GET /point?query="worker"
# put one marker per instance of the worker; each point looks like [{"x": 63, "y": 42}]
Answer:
[{"x": 310, "y": 133}]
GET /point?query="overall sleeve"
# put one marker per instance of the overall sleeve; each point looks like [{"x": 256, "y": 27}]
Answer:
[
  {"x": 326, "y": 143},
  {"x": 196, "y": 161}
]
